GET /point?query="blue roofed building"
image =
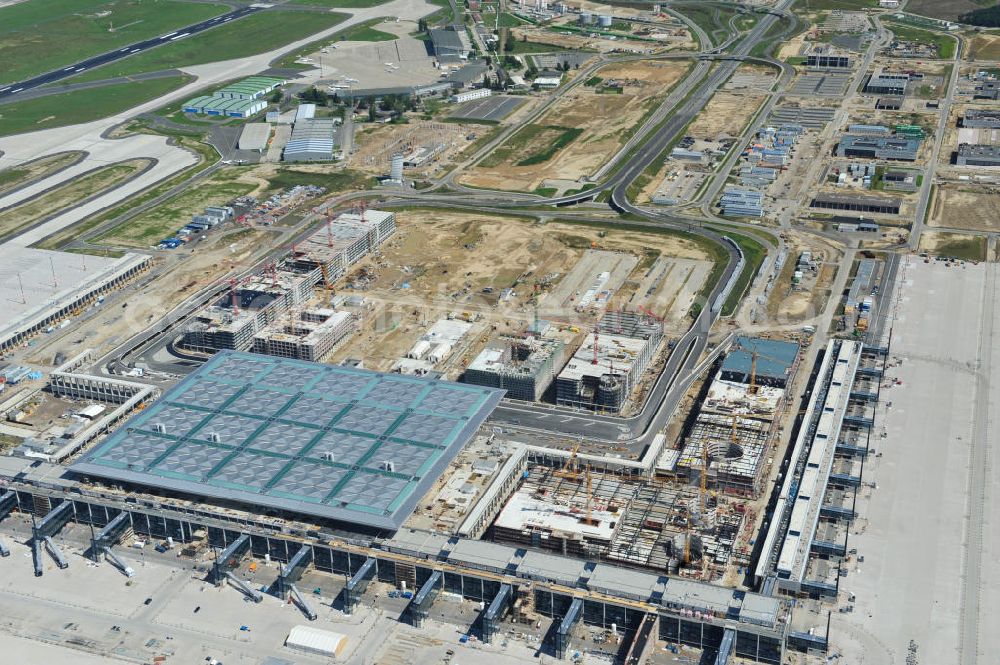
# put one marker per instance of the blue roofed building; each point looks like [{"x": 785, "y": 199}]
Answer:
[{"x": 775, "y": 361}]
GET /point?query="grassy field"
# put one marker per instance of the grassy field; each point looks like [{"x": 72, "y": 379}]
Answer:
[
  {"x": 41, "y": 35},
  {"x": 66, "y": 196},
  {"x": 948, "y": 10},
  {"x": 153, "y": 225},
  {"x": 81, "y": 106},
  {"x": 945, "y": 45},
  {"x": 365, "y": 32},
  {"x": 714, "y": 20},
  {"x": 341, "y": 181},
  {"x": 287, "y": 61},
  {"x": 520, "y": 48},
  {"x": 961, "y": 247},
  {"x": 35, "y": 170},
  {"x": 257, "y": 33},
  {"x": 534, "y": 144},
  {"x": 754, "y": 252}
]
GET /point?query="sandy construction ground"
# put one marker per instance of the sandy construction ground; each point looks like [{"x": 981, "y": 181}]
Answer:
[
  {"x": 442, "y": 263},
  {"x": 375, "y": 144},
  {"x": 728, "y": 112},
  {"x": 606, "y": 121},
  {"x": 966, "y": 207}
]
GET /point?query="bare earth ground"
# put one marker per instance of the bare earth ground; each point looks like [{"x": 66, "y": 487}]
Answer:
[
  {"x": 439, "y": 263},
  {"x": 984, "y": 47},
  {"x": 726, "y": 114},
  {"x": 375, "y": 144},
  {"x": 966, "y": 207},
  {"x": 604, "y": 118},
  {"x": 791, "y": 305},
  {"x": 948, "y": 10}
]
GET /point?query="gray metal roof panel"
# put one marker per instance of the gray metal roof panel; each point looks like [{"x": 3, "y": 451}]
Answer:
[{"x": 334, "y": 442}]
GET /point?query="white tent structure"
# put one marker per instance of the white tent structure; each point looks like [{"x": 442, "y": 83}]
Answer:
[{"x": 317, "y": 641}]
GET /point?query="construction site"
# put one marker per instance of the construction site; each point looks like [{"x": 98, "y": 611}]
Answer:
[{"x": 278, "y": 311}]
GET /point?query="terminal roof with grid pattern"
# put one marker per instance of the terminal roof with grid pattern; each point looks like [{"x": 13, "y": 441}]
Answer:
[{"x": 298, "y": 436}]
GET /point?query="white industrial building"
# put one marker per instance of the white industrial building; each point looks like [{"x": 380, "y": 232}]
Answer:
[
  {"x": 433, "y": 347},
  {"x": 469, "y": 95},
  {"x": 41, "y": 288}
]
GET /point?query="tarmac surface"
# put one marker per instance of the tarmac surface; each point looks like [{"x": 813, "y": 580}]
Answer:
[
  {"x": 495, "y": 108},
  {"x": 929, "y": 551}
]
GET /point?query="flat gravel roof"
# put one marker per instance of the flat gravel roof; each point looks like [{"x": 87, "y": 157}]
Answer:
[{"x": 335, "y": 442}]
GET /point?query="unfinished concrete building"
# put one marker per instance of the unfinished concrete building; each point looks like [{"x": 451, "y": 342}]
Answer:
[
  {"x": 340, "y": 243},
  {"x": 731, "y": 435},
  {"x": 233, "y": 320},
  {"x": 523, "y": 366},
  {"x": 309, "y": 335},
  {"x": 607, "y": 366},
  {"x": 236, "y": 318}
]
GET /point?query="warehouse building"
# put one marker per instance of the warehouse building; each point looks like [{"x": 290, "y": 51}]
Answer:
[
  {"x": 523, "y": 366},
  {"x": 225, "y": 106},
  {"x": 981, "y": 118},
  {"x": 738, "y": 202},
  {"x": 312, "y": 140},
  {"x": 351, "y": 447},
  {"x": 255, "y": 136},
  {"x": 254, "y": 87},
  {"x": 879, "y": 147},
  {"x": 978, "y": 155},
  {"x": 885, "y": 206},
  {"x": 42, "y": 289},
  {"x": 449, "y": 44},
  {"x": 885, "y": 83}
]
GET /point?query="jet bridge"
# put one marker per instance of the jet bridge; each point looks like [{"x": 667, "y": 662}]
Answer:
[
  {"x": 52, "y": 523},
  {"x": 248, "y": 591},
  {"x": 357, "y": 584},
  {"x": 292, "y": 572},
  {"x": 118, "y": 563},
  {"x": 57, "y": 555},
  {"x": 420, "y": 606},
  {"x": 227, "y": 560},
  {"x": 42, "y": 532},
  {"x": 109, "y": 536},
  {"x": 564, "y": 634},
  {"x": 495, "y": 611},
  {"x": 8, "y": 501},
  {"x": 301, "y": 602}
]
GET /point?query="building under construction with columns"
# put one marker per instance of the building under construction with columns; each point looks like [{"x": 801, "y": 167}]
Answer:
[
  {"x": 256, "y": 302},
  {"x": 523, "y": 366},
  {"x": 607, "y": 366}
]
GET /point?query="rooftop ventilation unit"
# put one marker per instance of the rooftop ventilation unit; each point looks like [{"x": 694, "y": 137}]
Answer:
[{"x": 159, "y": 428}]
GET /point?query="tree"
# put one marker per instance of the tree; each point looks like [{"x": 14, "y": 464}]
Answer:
[
  {"x": 508, "y": 46},
  {"x": 276, "y": 97},
  {"x": 422, "y": 25},
  {"x": 565, "y": 65},
  {"x": 371, "y": 113}
]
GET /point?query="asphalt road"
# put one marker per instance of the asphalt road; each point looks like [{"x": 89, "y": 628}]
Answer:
[{"x": 12, "y": 89}]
